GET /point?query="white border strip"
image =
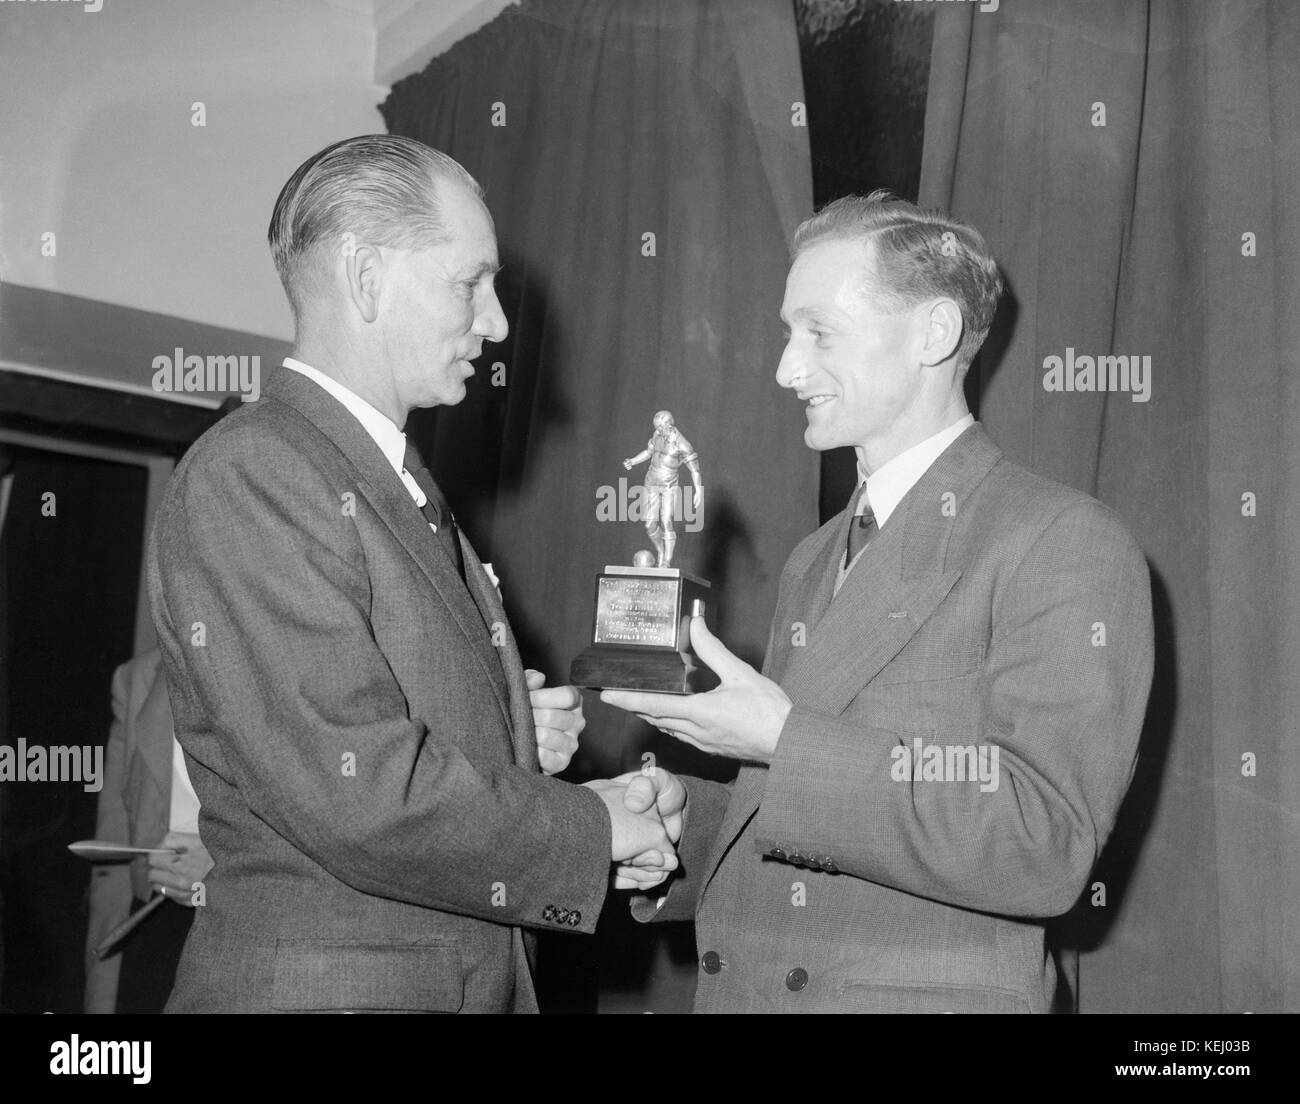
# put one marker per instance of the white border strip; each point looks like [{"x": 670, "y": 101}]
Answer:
[{"x": 117, "y": 385}]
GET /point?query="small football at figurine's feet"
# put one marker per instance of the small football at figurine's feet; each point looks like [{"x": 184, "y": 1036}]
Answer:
[{"x": 644, "y": 558}]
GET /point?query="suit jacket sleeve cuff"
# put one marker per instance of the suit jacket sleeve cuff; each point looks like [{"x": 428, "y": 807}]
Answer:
[
  {"x": 797, "y": 780},
  {"x": 570, "y": 895}
]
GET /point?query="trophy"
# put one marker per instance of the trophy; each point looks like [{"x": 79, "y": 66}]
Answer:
[{"x": 641, "y": 638}]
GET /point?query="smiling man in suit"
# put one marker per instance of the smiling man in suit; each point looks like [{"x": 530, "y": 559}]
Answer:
[
  {"x": 345, "y": 684},
  {"x": 959, "y": 662}
]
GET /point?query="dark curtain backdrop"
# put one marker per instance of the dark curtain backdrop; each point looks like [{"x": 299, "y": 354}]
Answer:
[
  {"x": 626, "y": 119},
  {"x": 1127, "y": 238},
  {"x": 621, "y": 120}
]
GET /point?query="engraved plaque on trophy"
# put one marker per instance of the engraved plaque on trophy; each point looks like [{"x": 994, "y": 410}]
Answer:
[{"x": 641, "y": 637}]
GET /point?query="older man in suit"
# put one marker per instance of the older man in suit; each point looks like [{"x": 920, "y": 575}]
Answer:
[
  {"x": 959, "y": 662},
  {"x": 344, "y": 680}
]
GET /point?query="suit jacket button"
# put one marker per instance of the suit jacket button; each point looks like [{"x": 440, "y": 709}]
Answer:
[
  {"x": 711, "y": 962},
  {"x": 777, "y": 853},
  {"x": 575, "y": 918},
  {"x": 830, "y": 867},
  {"x": 796, "y": 979},
  {"x": 561, "y": 915},
  {"x": 796, "y": 858},
  {"x": 548, "y": 913}
]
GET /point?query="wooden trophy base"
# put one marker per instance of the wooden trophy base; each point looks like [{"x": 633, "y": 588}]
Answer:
[
  {"x": 611, "y": 667},
  {"x": 641, "y": 634}
]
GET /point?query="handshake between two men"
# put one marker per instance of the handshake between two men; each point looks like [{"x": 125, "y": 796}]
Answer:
[
  {"x": 643, "y": 834},
  {"x": 741, "y": 718}
]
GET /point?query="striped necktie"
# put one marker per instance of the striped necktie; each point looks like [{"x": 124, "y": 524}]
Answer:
[
  {"x": 435, "y": 509},
  {"x": 862, "y": 525}
]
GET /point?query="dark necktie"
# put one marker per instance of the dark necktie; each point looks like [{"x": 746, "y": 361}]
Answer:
[
  {"x": 862, "y": 526},
  {"x": 435, "y": 509}
]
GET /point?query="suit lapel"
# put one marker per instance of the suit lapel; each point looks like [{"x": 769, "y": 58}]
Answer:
[
  {"x": 488, "y": 601},
  {"x": 883, "y": 602},
  {"x": 805, "y": 601},
  {"x": 901, "y": 580},
  {"x": 383, "y": 489}
]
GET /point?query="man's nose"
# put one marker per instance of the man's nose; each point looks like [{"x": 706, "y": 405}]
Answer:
[
  {"x": 791, "y": 371},
  {"x": 490, "y": 322}
]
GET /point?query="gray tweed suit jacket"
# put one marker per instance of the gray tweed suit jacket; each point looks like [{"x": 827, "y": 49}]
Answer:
[
  {"x": 994, "y": 611},
  {"x": 358, "y": 730}
]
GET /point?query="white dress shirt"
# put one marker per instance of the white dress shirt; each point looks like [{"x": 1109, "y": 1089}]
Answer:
[
  {"x": 889, "y": 484},
  {"x": 184, "y": 815}
]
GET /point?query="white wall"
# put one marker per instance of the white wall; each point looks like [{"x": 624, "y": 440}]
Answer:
[{"x": 96, "y": 143}]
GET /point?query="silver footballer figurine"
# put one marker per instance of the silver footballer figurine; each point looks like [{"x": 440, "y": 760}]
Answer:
[{"x": 667, "y": 451}]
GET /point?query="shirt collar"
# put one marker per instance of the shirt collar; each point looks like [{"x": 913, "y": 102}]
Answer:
[
  {"x": 390, "y": 439},
  {"x": 888, "y": 486}
]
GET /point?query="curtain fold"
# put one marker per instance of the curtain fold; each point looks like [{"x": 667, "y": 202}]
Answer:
[{"x": 1133, "y": 165}]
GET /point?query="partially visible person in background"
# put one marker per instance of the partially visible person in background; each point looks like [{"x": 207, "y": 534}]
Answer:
[{"x": 147, "y": 801}]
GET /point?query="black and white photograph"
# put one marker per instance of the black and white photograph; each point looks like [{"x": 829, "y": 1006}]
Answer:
[{"x": 608, "y": 507}]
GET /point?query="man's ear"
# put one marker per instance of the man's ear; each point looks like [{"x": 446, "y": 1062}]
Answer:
[
  {"x": 943, "y": 330},
  {"x": 363, "y": 271}
]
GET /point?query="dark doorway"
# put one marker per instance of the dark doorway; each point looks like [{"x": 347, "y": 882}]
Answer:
[{"x": 69, "y": 575}]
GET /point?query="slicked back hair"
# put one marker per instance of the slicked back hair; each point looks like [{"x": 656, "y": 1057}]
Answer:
[
  {"x": 375, "y": 189},
  {"x": 919, "y": 255}
]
